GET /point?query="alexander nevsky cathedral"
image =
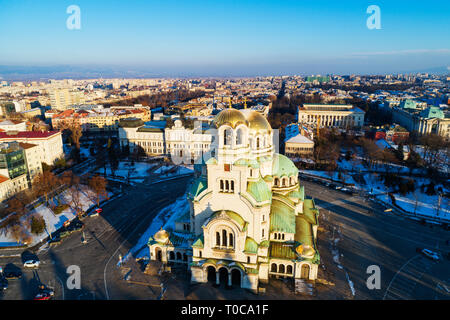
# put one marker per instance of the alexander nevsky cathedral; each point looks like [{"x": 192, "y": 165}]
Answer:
[{"x": 248, "y": 219}]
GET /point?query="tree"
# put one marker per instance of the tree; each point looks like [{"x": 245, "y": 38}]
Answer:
[
  {"x": 45, "y": 183},
  {"x": 76, "y": 201},
  {"x": 75, "y": 131},
  {"x": 113, "y": 158},
  {"x": 98, "y": 186},
  {"x": 16, "y": 231},
  {"x": 37, "y": 224},
  {"x": 70, "y": 179},
  {"x": 433, "y": 144}
]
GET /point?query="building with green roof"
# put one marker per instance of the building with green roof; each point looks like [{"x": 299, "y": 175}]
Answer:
[{"x": 248, "y": 216}]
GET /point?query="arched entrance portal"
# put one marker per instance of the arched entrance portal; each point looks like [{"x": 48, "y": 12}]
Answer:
[
  {"x": 223, "y": 276},
  {"x": 158, "y": 254},
  {"x": 236, "y": 278},
  {"x": 305, "y": 271},
  {"x": 211, "y": 271}
]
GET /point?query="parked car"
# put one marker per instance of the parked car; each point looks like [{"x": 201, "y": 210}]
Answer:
[
  {"x": 431, "y": 254},
  {"x": 42, "y": 296},
  {"x": 3, "y": 283},
  {"x": 13, "y": 274},
  {"x": 31, "y": 263},
  {"x": 347, "y": 190}
]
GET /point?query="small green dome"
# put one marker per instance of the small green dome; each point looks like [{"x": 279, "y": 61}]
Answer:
[
  {"x": 259, "y": 190},
  {"x": 283, "y": 166}
]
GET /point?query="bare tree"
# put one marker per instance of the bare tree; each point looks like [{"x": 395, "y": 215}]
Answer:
[
  {"x": 98, "y": 186},
  {"x": 45, "y": 183}
]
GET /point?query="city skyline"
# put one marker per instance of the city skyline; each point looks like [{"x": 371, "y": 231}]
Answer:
[{"x": 245, "y": 38}]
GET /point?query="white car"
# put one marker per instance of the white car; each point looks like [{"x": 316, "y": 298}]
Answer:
[
  {"x": 31, "y": 264},
  {"x": 431, "y": 254}
]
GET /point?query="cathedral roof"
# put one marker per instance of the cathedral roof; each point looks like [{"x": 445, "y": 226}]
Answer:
[
  {"x": 282, "y": 217},
  {"x": 283, "y": 166},
  {"x": 230, "y": 214},
  {"x": 250, "y": 245},
  {"x": 199, "y": 242},
  {"x": 231, "y": 117},
  {"x": 198, "y": 187},
  {"x": 310, "y": 211},
  {"x": 259, "y": 190},
  {"x": 256, "y": 121},
  {"x": 282, "y": 251}
]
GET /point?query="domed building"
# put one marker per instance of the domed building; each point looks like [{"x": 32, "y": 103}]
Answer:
[{"x": 248, "y": 218}]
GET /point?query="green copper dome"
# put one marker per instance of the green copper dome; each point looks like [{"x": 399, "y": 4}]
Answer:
[
  {"x": 283, "y": 166},
  {"x": 259, "y": 190}
]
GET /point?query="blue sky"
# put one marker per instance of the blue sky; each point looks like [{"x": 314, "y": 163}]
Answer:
[{"x": 284, "y": 37}]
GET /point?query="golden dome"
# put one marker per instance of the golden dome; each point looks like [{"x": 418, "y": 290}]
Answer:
[
  {"x": 231, "y": 117},
  {"x": 162, "y": 236},
  {"x": 305, "y": 251},
  {"x": 256, "y": 121}
]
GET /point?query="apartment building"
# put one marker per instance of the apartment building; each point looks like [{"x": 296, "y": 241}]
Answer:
[
  {"x": 64, "y": 98},
  {"x": 13, "y": 170},
  {"x": 99, "y": 119},
  {"x": 50, "y": 145}
]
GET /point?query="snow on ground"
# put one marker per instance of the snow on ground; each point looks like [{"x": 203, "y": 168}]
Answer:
[
  {"x": 166, "y": 219},
  {"x": 170, "y": 171},
  {"x": 426, "y": 205},
  {"x": 53, "y": 221},
  {"x": 334, "y": 175},
  {"x": 139, "y": 170}
]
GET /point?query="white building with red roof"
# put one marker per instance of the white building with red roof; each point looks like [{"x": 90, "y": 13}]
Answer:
[{"x": 49, "y": 142}]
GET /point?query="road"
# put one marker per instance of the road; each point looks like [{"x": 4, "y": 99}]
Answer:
[
  {"x": 364, "y": 235},
  {"x": 112, "y": 234},
  {"x": 354, "y": 235}
]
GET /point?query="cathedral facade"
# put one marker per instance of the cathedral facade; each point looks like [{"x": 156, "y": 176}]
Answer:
[{"x": 248, "y": 218}]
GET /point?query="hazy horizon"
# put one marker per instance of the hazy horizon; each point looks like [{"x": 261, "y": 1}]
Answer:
[{"x": 222, "y": 39}]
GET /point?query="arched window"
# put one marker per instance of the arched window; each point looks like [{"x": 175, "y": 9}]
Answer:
[
  {"x": 282, "y": 236},
  {"x": 275, "y": 236},
  {"x": 263, "y": 233},
  {"x": 283, "y": 182},
  {"x": 273, "y": 267},
  {"x": 281, "y": 268},
  {"x": 257, "y": 142},
  {"x": 240, "y": 136},
  {"x": 289, "y": 270},
  {"x": 221, "y": 185},
  {"x": 292, "y": 182},
  {"x": 231, "y": 239},
  {"x": 232, "y": 186},
  {"x": 171, "y": 255},
  {"x": 217, "y": 239},
  {"x": 227, "y": 186},
  {"x": 178, "y": 256},
  {"x": 276, "y": 182},
  {"x": 224, "y": 238},
  {"x": 227, "y": 137}
]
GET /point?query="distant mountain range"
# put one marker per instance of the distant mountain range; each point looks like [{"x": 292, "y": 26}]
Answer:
[{"x": 24, "y": 73}]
